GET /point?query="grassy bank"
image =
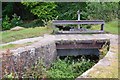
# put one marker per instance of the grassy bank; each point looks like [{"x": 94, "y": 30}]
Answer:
[
  {"x": 110, "y": 27},
  {"x": 13, "y": 46},
  {"x": 9, "y": 36}
]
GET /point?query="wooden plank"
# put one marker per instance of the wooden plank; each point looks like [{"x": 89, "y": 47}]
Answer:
[
  {"x": 79, "y": 46},
  {"x": 79, "y": 32},
  {"x": 56, "y": 22}
]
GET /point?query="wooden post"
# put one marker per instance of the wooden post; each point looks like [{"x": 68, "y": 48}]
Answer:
[
  {"x": 78, "y": 12},
  {"x": 53, "y": 26},
  {"x": 102, "y": 27}
]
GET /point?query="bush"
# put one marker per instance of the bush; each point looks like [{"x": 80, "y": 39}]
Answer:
[
  {"x": 38, "y": 71},
  {"x": 6, "y": 25},
  {"x": 60, "y": 69},
  {"x": 16, "y": 21},
  {"x": 68, "y": 68}
]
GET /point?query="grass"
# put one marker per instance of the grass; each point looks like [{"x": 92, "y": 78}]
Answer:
[
  {"x": 13, "y": 46},
  {"x": 103, "y": 72},
  {"x": 110, "y": 27},
  {"x": 9, "y": 36}
]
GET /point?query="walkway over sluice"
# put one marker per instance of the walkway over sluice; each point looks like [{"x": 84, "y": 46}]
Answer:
[{"x": 77, "y": 44}]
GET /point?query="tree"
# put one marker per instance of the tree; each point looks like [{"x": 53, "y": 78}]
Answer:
[
  {"x": 45, "y": 11},
  {"x": 68, "y": 10},
  {"x": 102, "y": 10}
]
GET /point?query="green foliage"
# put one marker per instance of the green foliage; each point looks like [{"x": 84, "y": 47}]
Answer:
[
  {"x": 110, "y": 27},
  {"x": 45, "y": 11},
  {"x": 10, "y": 76},
  {"x": 55, "y": 30},
  {"x": 9, "y": 36},
  {"x": 34, "y": 23},
  {"x": 68, "y": 10},
  {"x": 7, "y": 9},
  {"x": 82, "y": 66},
  {"x": 6, "y": 25},
  {"x": 38, "y": 71},
  {"x": 60, "y": 69},
  {"x": 68, "y": 68},
  {"x": 16, "y": 20},
  {"x": 102, "y": 10}
]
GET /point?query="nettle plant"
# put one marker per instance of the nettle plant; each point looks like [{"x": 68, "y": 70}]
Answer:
[
  {"x": 8, "y": 23},
  {"x": 68, "y": 68},
  {"x": 37, "y": 71},
  {"x": 16, "y": 20}
]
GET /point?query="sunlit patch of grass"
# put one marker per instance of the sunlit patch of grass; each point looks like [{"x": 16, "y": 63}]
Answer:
[
  {"x": 106, "y": 71},
  {"x": 12, "y": 46},
  {"x": 9, "y": 36},
  {"x": 110, "y": 27}
]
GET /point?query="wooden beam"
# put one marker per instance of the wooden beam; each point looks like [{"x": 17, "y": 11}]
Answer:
[{"x": 56, "y": 22}]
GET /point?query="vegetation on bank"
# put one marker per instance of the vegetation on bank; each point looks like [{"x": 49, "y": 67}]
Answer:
[
  {"x": 13, "y": 46},
  {"x": 18, "y": 13},
  {"x": 9, "y": 36},
  {"x": 69, "y": 68},
  {"x": 109, "y": 27}
]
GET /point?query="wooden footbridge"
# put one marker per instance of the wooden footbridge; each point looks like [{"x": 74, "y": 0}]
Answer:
[
  {"x": 78, "y": 22},
  {"x": 60, "y": 24},
  {"x": 72, "y": 42},
  {"x": 79, "y": 44}
]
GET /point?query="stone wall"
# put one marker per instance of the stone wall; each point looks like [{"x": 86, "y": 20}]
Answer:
[{"x": 21, "y": 58}]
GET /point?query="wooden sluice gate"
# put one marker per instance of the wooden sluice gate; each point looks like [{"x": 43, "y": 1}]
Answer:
[
  {"x": 75, "y": 41},
  {"x": 72, "y": 30},
  {"x": 74, "y": 45}
]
